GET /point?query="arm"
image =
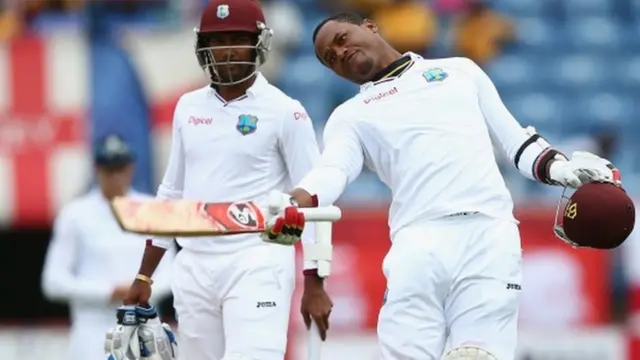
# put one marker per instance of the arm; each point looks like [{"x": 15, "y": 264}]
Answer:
[
  {"x": 340, "y": 164},
  {"x": 300, "y": 151},
  {"x": 532, "y": 155},
  {"x": 171, "y": 187},
  {"x": 59, "y": 281}
]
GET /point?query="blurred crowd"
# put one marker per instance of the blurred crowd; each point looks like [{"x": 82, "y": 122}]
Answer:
[{"x": 574, "y": 104}]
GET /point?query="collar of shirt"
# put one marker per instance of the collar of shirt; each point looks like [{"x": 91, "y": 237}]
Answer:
[
  {"x": 364, "y": 87},
  {"x": 255, "y": 89}
]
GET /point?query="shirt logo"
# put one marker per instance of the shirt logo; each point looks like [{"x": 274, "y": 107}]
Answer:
[
  {"x": 382, "y": 95},
  {"x": 223, "y": 11},
  {"x": 247, "y": 124},
  {"x": 264, "y": 304},
  {"x": 195, "y": 121},
  {"x": 435, "y": 74},
  {"x": 299, "y": 115}
]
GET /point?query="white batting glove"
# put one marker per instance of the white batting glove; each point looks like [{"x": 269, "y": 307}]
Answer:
[
  {"x": 583, "y": 168},
  {"x": 157, "y": 340},
  {"x": 121, "y": 342}
]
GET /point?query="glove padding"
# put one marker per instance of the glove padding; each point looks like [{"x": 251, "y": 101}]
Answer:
[
  {"x": 583, "y": 168},
  {"x": 121, "y": 342},
  {"x": 157, "y": 341},
  {"x": 286, "y": 228},
  {"x": 140, "y": 335}
]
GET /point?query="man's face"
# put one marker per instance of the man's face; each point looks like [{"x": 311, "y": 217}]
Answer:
[
  {"x": 349, "y": 49},
  {"x": 115, "y": 180},
  {"x": 233, "y": 54}
]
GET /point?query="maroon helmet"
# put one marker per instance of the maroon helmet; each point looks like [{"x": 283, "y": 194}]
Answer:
[
  {"x": 598, "y": 215},
  {"x": 232, "y": 16}
]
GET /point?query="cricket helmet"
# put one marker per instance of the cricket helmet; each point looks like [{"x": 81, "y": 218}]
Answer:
[
  {"x": 597, "y": 215},
  {"x": 232, "y": 16}
]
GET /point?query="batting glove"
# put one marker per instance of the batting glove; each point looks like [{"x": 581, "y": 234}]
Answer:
[
  {"x": 583, "y": 168},
  {"x": 121, "y": 342},
  {"x": 286, "y": 228},
  {"x": 157, "y": 340}
]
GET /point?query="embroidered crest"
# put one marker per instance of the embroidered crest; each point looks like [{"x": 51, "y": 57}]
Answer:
[
  {"x": 223, "y": 11},
  {"x": 247, "y": 124},
  {"x": 435, "y": 74}
]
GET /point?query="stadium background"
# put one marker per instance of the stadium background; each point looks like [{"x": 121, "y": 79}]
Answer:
[{"x": 72, "y": 71}]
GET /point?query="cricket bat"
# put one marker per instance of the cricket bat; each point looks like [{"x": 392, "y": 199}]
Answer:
[{"x": 187, "y": 218}]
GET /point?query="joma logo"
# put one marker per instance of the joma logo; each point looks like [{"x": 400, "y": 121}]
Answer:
[{"x": 263, "y": 304}]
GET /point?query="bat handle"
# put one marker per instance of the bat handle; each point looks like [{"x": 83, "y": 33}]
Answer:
[
  {"x": 325, "y": 213},
  {"x": 322, "y": 250},
  {"x": 315, "y": 343},
  {"x": 278, "y": 201}
]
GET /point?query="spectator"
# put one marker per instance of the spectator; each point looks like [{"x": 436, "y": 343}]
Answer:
[
  {"x": 481, "y": 32},
  {"x": 407, "y": 25},
  {"x": 10, "y": 24}
]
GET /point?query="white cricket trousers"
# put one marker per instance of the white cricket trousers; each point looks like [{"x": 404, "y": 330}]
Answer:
[
  {"x": 234, "y": 307},
  {"x": 450, "y": 283}
]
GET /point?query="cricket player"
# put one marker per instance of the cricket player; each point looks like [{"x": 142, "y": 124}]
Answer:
[
  {"x": 426, "y": 128},
  {"x": 238, "y": 138},
  {"x": 90, "y": 261}
]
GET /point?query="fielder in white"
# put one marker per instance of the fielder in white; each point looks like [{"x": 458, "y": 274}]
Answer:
[
  {"x": 90, "y": 261},
  {"x": 238, "y": 138},
  {"x": 426, "y": 128}
]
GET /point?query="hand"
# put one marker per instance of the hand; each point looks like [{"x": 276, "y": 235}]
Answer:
[
  {"x": 316, "y": 305},
  {"x": 138, "y": 294},
  {"x": 119, "y": 292},
  {"x": 583, "y": 168},
  {"x": 286, "y": 228}
]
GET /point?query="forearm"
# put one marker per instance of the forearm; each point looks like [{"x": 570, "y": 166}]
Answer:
[
  {"x": 62, "y": 288},
  {"x": 151, "y": 259},
  {"x": 535, "y": 157}
]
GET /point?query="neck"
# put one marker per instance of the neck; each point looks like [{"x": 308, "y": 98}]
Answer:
[
  {"x": 109, "y": 194},
  {"x": 235, "y": 91},
  {"x": 387, "y": 57}
]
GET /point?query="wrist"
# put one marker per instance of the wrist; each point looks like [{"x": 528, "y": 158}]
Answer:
[
  {"x": 144, "y": 278},
  {"x": 312, "y": 280},
  {"x": 554, "y": 170}
]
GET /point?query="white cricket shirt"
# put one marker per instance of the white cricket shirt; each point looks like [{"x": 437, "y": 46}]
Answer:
[
  {"x": 239, "y": 150},
  {"x": 89, "y": 255},
  {"x": 427, "y": 134}
]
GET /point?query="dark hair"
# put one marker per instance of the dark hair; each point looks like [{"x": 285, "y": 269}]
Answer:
[{"x": 342, "y": 17}]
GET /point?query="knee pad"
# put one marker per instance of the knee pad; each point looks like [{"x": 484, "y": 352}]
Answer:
[{"x": 468, "y": 353}]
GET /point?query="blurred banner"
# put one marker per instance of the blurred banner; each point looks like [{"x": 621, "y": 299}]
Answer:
[{"x": 61, "y": 92}]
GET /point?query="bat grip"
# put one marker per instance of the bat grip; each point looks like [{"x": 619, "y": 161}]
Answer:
[
  {"x": 315, "y": 343},
  {"x": 324, "y": 247},
  {"x": 326, "y": 213}
]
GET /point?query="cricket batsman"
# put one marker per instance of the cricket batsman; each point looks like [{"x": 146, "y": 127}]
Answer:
[
  {"x": 426, "y": 126},
  {"x": 238, "y": 138}
]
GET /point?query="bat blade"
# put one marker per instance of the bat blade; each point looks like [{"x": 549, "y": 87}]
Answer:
[{"x": 185, "y": 218}]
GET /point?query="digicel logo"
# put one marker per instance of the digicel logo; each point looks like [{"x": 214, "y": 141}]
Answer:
[{"x": 382, "y": 95}]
